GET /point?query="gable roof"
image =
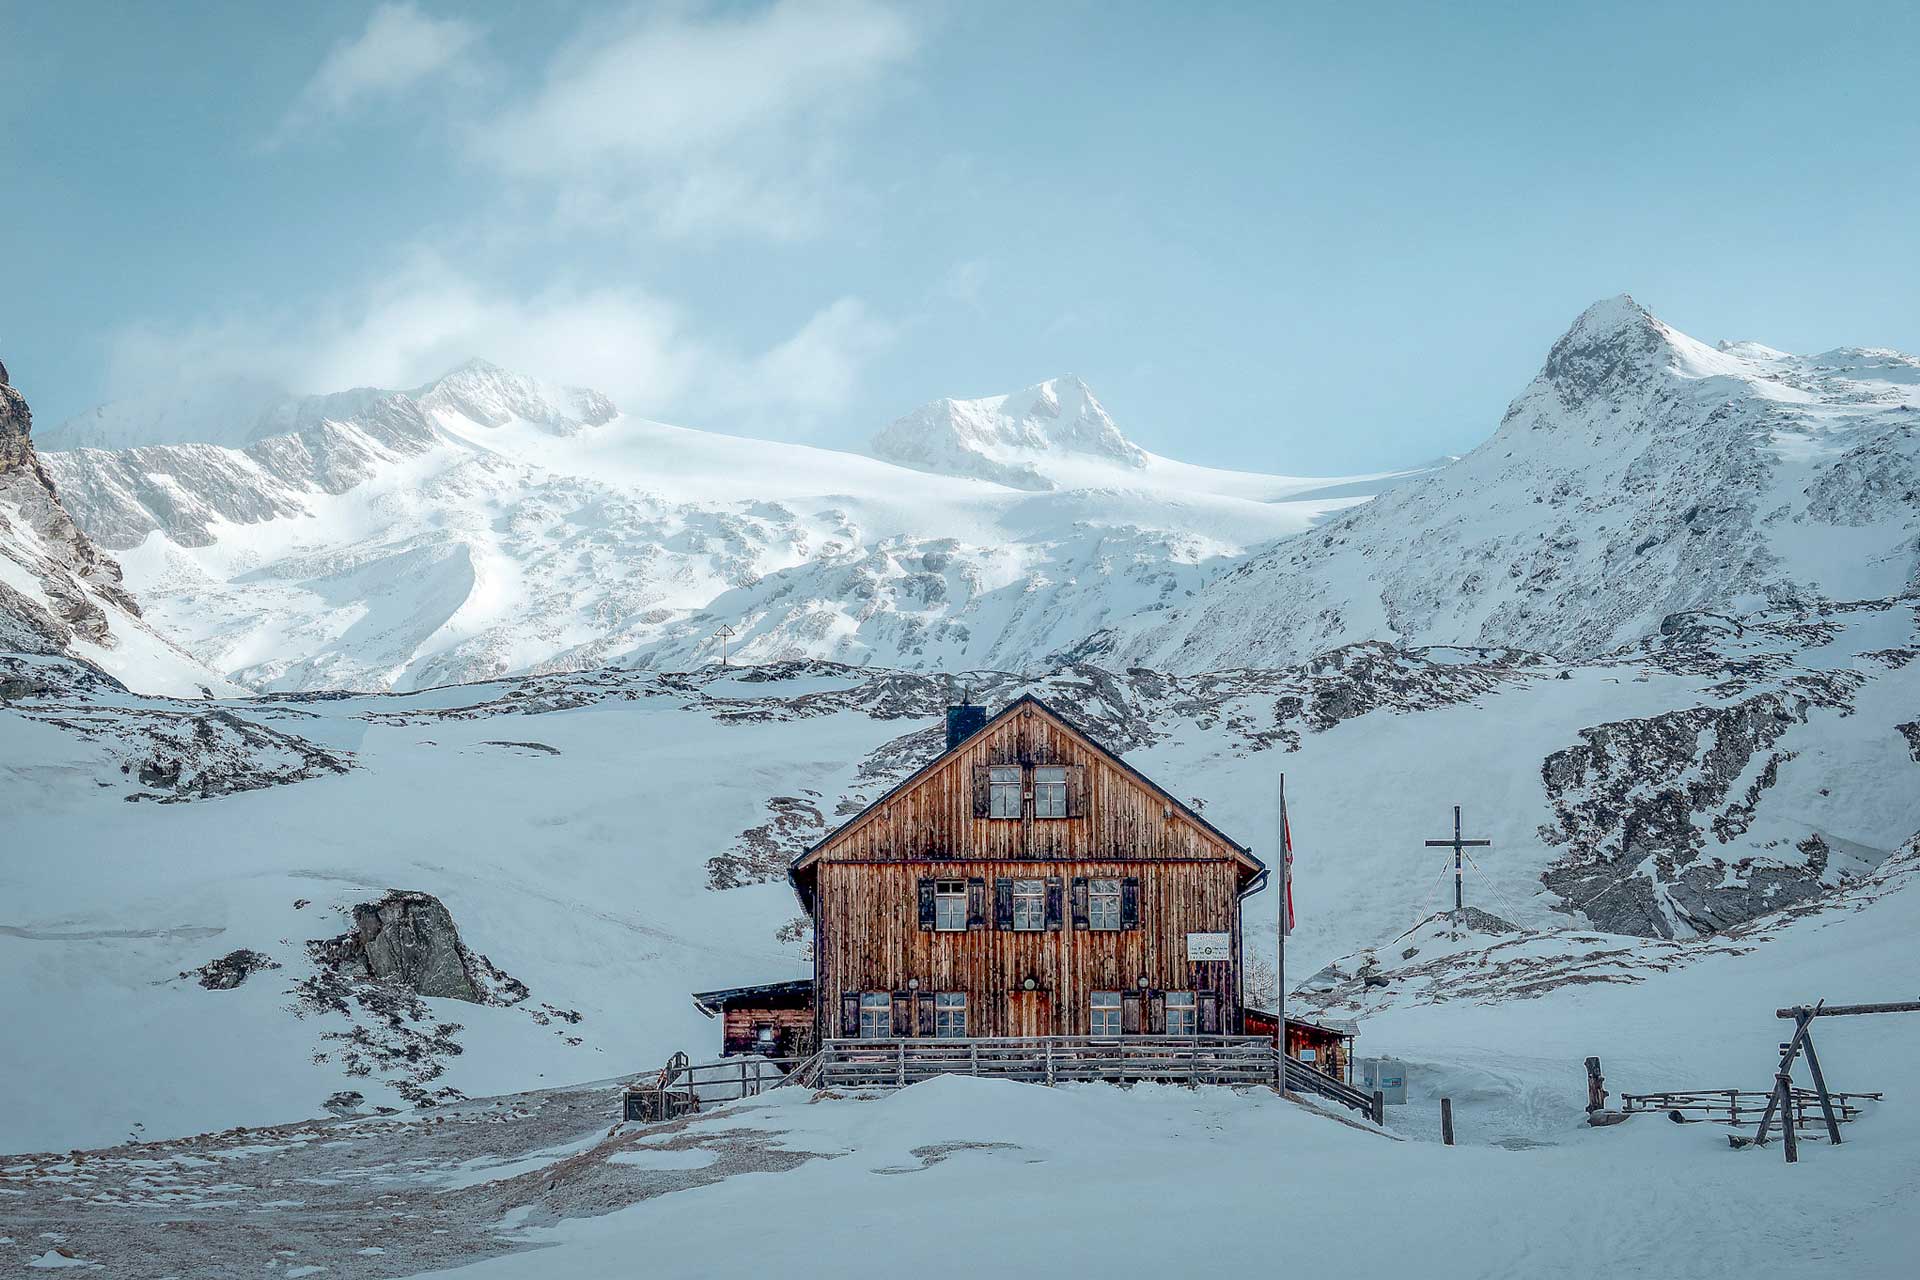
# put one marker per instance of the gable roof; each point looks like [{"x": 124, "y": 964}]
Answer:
[{"x": 913, "y": 779}]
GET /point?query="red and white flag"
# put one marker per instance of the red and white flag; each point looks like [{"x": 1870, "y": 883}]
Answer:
[{"x": 1286, "y": 839}]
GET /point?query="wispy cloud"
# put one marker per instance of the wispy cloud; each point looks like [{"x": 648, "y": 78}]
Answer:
[
  {"x": 401, "y": 49},
  {"x": 698, "y": 120},
  {"x": 414, "y": 324}
]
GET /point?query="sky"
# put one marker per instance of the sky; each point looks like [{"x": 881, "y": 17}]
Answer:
[{"x": 1314, "y": 239}]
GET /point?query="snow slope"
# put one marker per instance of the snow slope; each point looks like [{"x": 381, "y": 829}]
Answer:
[
  {"x": 487, "y": 526},
  {"x": 581, "y": 829},
  {"x": 1640, "y": 474}
]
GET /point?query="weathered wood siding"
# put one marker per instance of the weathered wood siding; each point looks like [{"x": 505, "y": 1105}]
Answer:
[
  {"x": 793, "y": 1026},
  {"x": 868, "y": 938},
  {"x": 866, "y": 891},
  {"x": 935, "y": 819}
]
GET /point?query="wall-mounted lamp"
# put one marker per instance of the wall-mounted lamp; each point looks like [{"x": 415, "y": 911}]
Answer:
[
  {"x": 1143, "y": 982},
  {"x": 913, "y": 984},
  {"x": 1029, "y": 984}
]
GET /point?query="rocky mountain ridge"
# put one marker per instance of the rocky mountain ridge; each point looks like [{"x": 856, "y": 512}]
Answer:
[
  {"x": 59, "y": 595},
  {"x": 1640, "y": 474}
]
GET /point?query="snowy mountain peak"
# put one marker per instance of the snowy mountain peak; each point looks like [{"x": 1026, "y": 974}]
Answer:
[
  {"x": 1017, "y": 439},
  {"x": 486, "y": 393}
]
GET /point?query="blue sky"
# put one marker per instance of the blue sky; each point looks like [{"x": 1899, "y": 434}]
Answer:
[{"x": 1309, "y": 238}]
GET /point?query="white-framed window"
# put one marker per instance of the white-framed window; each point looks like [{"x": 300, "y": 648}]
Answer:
[
  {"x": 1105, "y": 1019},
  {"x": 1103, "y": 904},
  {"x": 1029, "y": 905},
  {"x": 876, "y": 1015},
  {"x": 1183, "y": 1017},
  {"x": 950, "y": 906},
  {"x": 950, "y": 1015},
  {"x": 1003, "y": 791},
  {"x": 1049, "y": 791}
]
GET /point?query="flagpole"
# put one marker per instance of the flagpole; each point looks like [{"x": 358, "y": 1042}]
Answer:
[{"x": 1280, "y": 961}]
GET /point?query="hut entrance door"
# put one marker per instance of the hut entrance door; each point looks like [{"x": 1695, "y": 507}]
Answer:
[{"x": 1029, "y": 1013}]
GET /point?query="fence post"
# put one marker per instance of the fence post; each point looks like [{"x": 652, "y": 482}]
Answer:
[
  {"x": 1379, "y": 1107},
  {"x": 901, "y": 1072},
  {"x": 973, "y": 1054},
  {"x": 1446, "y": 1121}
]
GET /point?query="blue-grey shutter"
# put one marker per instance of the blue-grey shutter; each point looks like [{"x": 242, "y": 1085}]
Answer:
[
  {"x": 1056, "y": 892},
  {"x": 926, "y": 903},
  {"x": 976, "y": 902},
  {"x": 1130, "y": 903},
  {"x": 1003, "y": 903}
]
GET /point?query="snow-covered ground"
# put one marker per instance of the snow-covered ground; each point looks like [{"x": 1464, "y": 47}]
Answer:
[
  {"x": 575, "y": 826},
  {"x": 966, "y": 1176}
]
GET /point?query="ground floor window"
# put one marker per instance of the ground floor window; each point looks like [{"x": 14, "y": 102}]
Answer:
[
  {"x": 1106, "y": 1013},
  {"x": 950, "y": 1015},
  {"x": 1182, "y": 1016},
  {"x": 876, "y": 1015}
]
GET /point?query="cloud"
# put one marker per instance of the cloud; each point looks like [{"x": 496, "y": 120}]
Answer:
[
  {"x": 697, "y": 120},
  {"x": 400, "y": 49},
  {"x": 407, "y": 328}
]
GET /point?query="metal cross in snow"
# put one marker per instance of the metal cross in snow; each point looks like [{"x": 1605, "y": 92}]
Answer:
[
  {"x": 1456, "y": 844},
  {"x": 725, "y": 633}
]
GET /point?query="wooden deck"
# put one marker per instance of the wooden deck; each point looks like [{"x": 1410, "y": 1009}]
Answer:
[{"x": 848, "y": 1064}]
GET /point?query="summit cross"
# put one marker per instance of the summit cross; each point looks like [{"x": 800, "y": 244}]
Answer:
[{"x": 1457, "y": 845}]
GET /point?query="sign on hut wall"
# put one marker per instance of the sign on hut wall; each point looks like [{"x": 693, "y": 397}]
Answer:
[{"x": 1209, "y": 946}]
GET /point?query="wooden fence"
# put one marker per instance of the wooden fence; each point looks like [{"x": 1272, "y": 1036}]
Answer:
[
  {"x": 1742, "y": 1106},
  {"x": 682, "y": 1087}
]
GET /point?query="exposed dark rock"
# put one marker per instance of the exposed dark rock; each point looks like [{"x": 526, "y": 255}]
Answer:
[
  {"x": 763, "y": 852},
  {"x": 1639, "y": 800},
  {"x": 230, "y": 970},
  {"x": 406, "y": 939},
  {"x": 346, "y": 1102}
]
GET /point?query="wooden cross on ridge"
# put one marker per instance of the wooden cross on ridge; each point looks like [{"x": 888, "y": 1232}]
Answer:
[
  {"x": 1457, "y": 845},
  {"x": 726, "y": 633}
]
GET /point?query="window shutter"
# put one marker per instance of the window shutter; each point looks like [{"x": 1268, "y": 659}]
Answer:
[
  {"x": 1156, "y": 1014},
  {"x": 1130, "y": 1013},
  {"x": 1056, "y": 891},
  {"x": 1209, "y": 1013},
  {"x": 1076, "y": 791},
  {"x": 976, "y": 903},
  {"x": 1079, "y": 902},
  {"x": 1003, "y": 903},
  {"x": 903, "y": 1013},
  {"x": 1130, "y": 903},
  {"x": 926, "y": 1013},
  {"x": 850, "y": 1014},
  {"x": 926, "y": 904},
  {"x": 982, "y": 791}
]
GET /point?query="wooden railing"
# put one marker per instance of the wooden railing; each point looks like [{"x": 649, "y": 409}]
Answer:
[{"x": 682, "y": 1087}]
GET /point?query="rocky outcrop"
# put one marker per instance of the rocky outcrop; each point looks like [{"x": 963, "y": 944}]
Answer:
[
  {"x": 1641, "y": 804},
  {"x": 230, "y": 970},
  {"x": 409, "y": 940},
  {"x": 64, "y": 594}
]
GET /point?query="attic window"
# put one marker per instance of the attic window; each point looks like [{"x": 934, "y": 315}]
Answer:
[
  {"x": 1050, "y": 791},
  {"x": 1003, "y": 791}
]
